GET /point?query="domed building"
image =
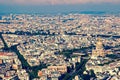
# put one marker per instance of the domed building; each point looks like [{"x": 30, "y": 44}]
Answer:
[{"x": 99, "y": 50}]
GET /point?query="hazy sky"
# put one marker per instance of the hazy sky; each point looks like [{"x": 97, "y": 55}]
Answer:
[
  {"x": 58, "y": 6},
  {"x": 55, "y": 2}
]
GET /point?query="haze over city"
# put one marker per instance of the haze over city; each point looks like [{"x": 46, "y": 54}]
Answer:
[
  {"x": 55, "y": 2},
  {"x": 58, "y": 6}
]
